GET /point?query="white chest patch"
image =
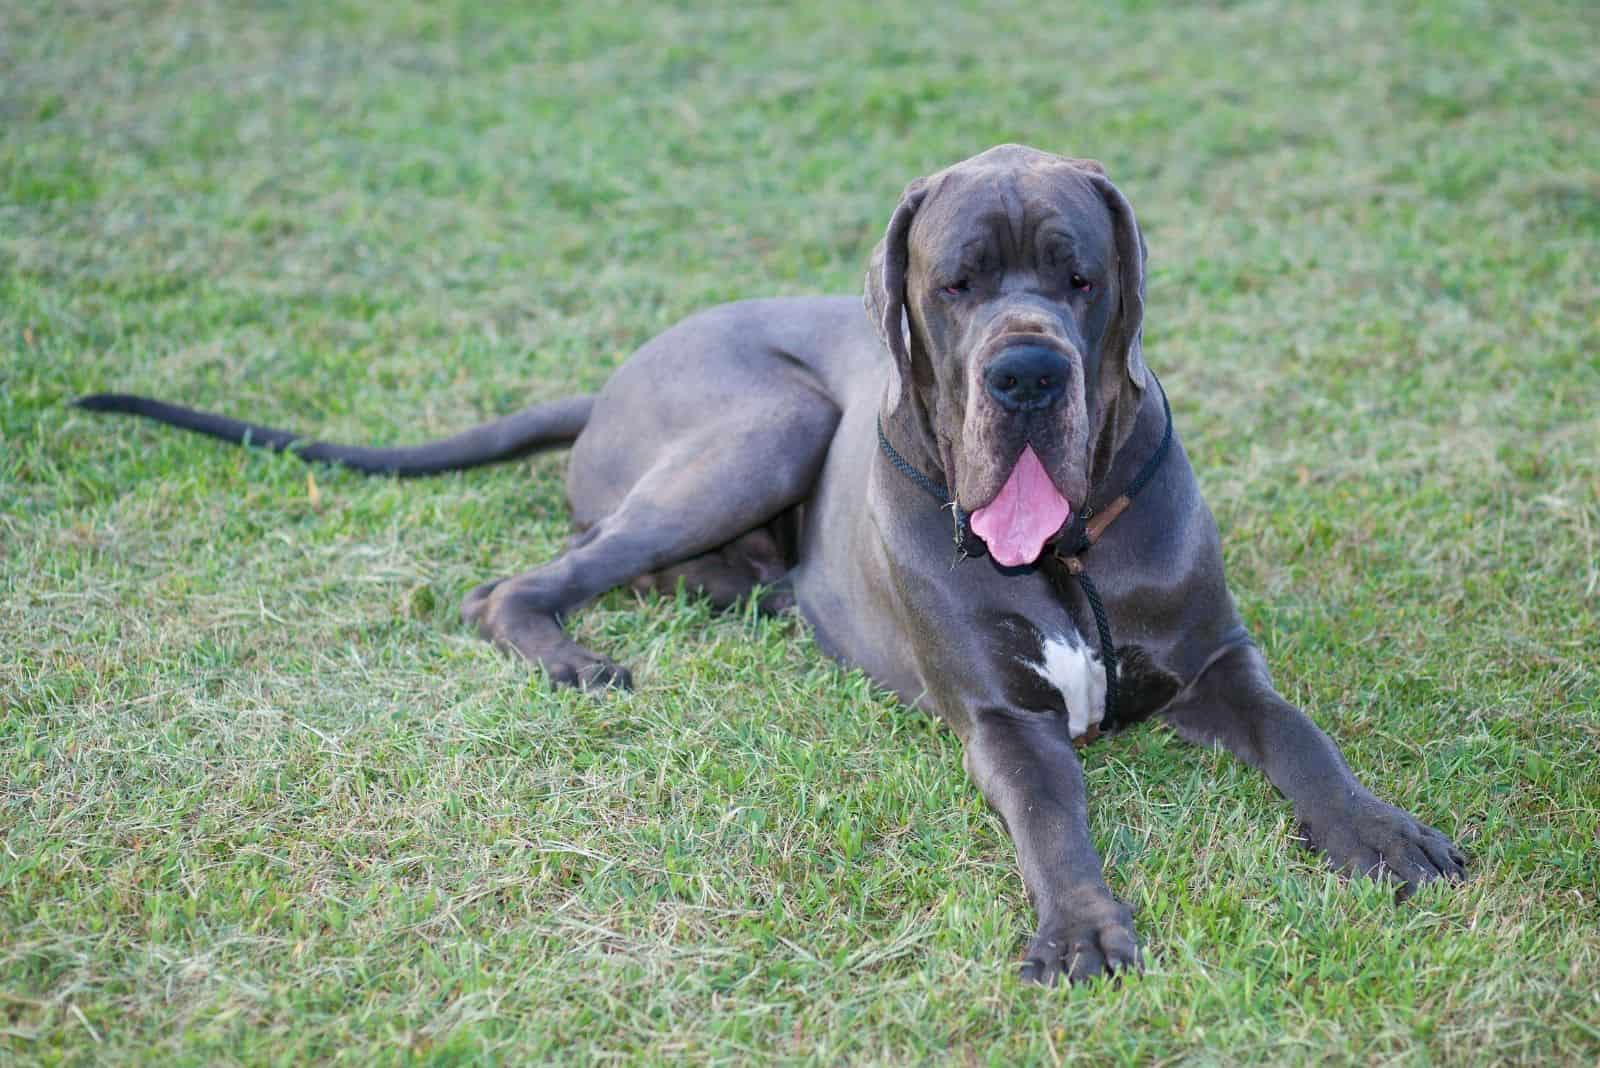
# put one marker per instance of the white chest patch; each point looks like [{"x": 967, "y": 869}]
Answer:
[{"x": 1078, "y": 676}]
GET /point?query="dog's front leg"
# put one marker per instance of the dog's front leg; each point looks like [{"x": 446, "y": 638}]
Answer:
[
  {"x": 1234, "y": 703},
  {"x": 1028, "y": 771}
]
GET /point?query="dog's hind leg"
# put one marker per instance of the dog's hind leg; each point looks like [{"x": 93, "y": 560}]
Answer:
[
  {"x": 728, "y": 575},
  {"x": 702, "y": 492}
]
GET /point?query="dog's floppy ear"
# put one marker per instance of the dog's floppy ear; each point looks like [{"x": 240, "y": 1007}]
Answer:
[
  {"x": 1123, "y": 375},
  {"x": 886, "y": 287}
]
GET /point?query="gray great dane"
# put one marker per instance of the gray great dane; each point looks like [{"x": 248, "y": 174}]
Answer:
[{"x": 795, "y": 448}]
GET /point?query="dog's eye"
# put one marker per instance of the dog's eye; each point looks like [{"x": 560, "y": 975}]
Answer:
[
  {"x": 955, "y": 289},
  {"x": 1081, "y": 284}
]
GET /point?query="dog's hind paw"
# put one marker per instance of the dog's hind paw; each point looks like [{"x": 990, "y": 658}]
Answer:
[
  {"x": 587, "y": 671},
  {"x": 502, "y": 615}
]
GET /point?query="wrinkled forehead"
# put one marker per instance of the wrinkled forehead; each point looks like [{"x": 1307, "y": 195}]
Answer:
[{"x": 1009, "y": 213}]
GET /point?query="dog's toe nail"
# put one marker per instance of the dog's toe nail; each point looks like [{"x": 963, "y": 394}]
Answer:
[
  {"x": 605, "y": 675},
  {"x": 1038, "y": 971}
]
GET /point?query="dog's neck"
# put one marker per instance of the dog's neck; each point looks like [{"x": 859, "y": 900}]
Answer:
[
  {"x": 909, "y": 426},
  {"x": 1113, "y": 461}
]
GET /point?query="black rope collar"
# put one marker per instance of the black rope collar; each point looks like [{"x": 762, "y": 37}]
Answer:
[
  {"x": 1086, "y": 528},
  {"x": 967, "y": 543}
]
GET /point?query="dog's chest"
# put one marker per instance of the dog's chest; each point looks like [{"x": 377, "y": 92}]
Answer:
[{"x": 1060, "y": 668}]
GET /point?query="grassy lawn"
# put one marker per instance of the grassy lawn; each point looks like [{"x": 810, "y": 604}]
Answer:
[{"x": 266, "y": 800}]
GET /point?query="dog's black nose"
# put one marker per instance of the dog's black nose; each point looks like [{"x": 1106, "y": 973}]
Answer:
[{"x": 1027, "y": 378}]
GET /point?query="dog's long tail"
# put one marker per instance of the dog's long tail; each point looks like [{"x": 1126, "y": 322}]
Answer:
[{"x": 542, "y": 426}]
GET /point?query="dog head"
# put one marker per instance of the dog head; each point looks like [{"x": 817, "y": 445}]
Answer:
[{"x": 1009, "y": 291}]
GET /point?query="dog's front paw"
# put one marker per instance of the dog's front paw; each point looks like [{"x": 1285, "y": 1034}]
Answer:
[
  {"x": 1095, "y": 941},
  {"x": 1368, "y": 837}
]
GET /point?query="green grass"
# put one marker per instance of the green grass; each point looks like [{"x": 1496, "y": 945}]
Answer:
[{"x": 264, "y": 798}]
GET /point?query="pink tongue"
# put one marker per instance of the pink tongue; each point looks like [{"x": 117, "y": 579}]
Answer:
[{"x": 1026, "y": 512}]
